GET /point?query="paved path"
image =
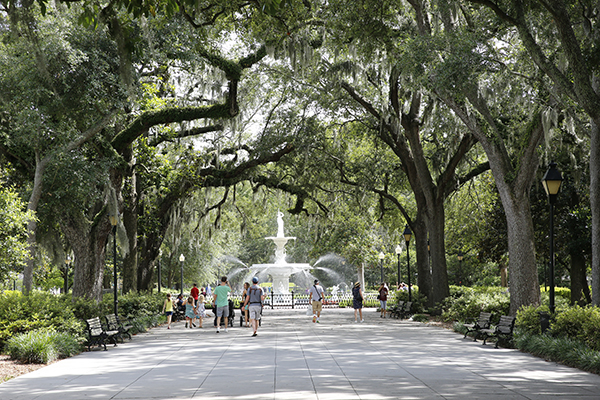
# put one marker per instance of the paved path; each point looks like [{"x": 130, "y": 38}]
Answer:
[{"x": 292, "y": 358}]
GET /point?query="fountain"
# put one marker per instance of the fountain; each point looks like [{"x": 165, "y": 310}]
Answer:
[{"x": 281, "y": 270}]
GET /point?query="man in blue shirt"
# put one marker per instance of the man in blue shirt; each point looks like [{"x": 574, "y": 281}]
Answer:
[
  {"x": 254, "y": 299},
  {"x": 220, "y": 297}
]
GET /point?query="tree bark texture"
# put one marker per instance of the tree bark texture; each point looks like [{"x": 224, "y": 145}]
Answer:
[{"x": 88, "y": 240}]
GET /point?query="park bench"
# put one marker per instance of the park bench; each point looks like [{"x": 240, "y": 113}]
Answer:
[
  {"x": 407, "y": 310},
  {"x": 483, "y": 322},
  {"x": 113, "y": 323},
  {"x": 396, "y": 309},
  {"x": 502, "y": 331},
  {"x": 401, "y": 310},
  {"x": 97, "y": 334}
]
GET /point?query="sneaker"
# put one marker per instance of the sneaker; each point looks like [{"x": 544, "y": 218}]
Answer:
[
  {"x": 186, "y": 324},
  {"x": 314, "y": 319},
  {"x": 355, "y": 321},
  {"x": 362, "y": 320},
  {"x": 318, "y": 322},
  {"x": 225, "y": 330},
  {"x": 193, "y": 324},
  {"x": 218, "y": 330},
  {"x": 168, "y": 327}
]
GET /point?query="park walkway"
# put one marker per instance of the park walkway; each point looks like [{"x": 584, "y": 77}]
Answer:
[{"x": 292, "y": 358}]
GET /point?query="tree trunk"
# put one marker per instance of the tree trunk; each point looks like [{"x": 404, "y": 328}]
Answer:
[
  {"x": 523, "y": 279},
  {"x": 88, "y": 241},
  {"x": 437, "y": 244},
  {"x": 34, "y": 200},
  {"x": 595, "y": 208},
  {"x": 130, "y": 218},
  {"x": 578, "y": 278},
  {"x": 422, "y": 256}
]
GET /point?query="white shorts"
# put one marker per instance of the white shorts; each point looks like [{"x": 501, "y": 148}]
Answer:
[{"x": 255, "y": 311}]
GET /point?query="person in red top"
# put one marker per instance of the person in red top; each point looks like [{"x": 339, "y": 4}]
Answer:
[
  {"x": 383, "y": 294},
  {"x": 195, "y": 292}
]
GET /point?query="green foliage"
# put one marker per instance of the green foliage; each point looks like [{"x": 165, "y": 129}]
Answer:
[
  {"x": 42, "y": 346},
  {"x": 561, "y": 349},
  {"x": 13, "y": 230},
  {"x": 420, "y": 318},
  {"x": 581, "y": 323},
  {"x": 419, "y": 300},
  {"x": 466, "y": 303},
  {"x": 21, "y": 314},
  {"x": 528, "y": 319}
]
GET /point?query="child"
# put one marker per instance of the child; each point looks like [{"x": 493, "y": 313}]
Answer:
[
  {"x": 168, "y": 309},
  {"x": 190, "y": 312},
  {"x": 200, "y": 310}
]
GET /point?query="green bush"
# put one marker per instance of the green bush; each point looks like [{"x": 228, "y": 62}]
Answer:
[
  {"x": 418, "y": 299},
  {"x": 528, "y": 319},
  {"x": 465, "y": 303},
  {"x": 561, "y": 349},
  {"x": 581, "y": 323},
  {"x": 41, "y": 346},
  {"x": 420, "y": 318}
]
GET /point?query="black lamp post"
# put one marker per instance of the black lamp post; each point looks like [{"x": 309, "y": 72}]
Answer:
[
  {"x": 551, "y": 182},
  {"x": 67, "y": 262},
  {"x": 113, "y": 221},
  {"x": 460, "y": 258},
  {"x": 181, "y": 260},
  {"x": 398, "y": 252},
  {"x": 407, "y": 235},
  {"x": 159, "y": 278},
  {"x": 381, "y": 257}
]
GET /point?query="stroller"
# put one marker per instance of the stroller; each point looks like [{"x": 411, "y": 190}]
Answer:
[{"x": 230, "y": 318}]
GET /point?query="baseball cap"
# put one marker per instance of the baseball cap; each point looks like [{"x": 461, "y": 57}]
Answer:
[
  {"x": 255, "y": 280},
  {"x": 316, "y": 281}
]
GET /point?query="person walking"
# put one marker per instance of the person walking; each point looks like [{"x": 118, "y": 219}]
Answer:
[
  {"x": 195, "y": 292},
  {"x": 168, "y": 309},
  {"x": 383, "y": 295},
  {"x": 200, "y": 310},
  {"x": 220, "y": 297},
  {"x": 244, "y": 307},
  {"x": 254, "y": 299},
  {"x": 357, "y": 301},
  {"x": 190, "y": 311},
  {"x": 317, "y": 295}
]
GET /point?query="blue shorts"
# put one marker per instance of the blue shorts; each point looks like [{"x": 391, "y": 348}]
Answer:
[
  {"x": 169, "y": 312},
  {"x": 383, "y": 304}
]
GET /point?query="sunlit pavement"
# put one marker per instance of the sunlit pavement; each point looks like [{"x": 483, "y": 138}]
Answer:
[{"x": 293, "y": 358}]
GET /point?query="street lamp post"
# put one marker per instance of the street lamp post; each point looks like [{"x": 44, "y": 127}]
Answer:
[
  {"x": 551, "y": 182},
  {"x": 67, "y": 262},
  {"x": 407, "y": 235},
  {"x": 460, "y": 258},
  {"x": 113, "y": 221},
  {"x": 398, "y": 252},
  {"x": 181, "y": 260},
  {"x": 381, "y": 257}
]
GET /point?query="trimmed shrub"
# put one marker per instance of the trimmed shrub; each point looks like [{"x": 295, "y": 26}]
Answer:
[
  {"x": 528, "y": 319},
  {"x": 42, "y": 346},
  {"x": 466, "y": 303},
  {"x": 581, "y": 323},
  {"x": 420, "y": 318}
]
